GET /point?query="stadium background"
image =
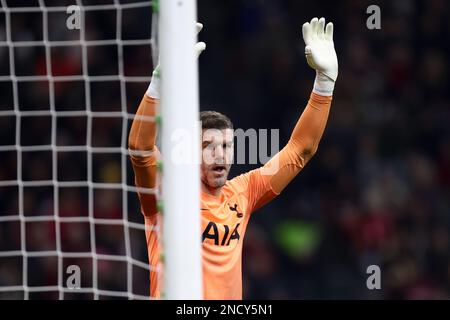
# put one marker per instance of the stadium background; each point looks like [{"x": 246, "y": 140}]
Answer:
[{"x": 377, "y": 191}]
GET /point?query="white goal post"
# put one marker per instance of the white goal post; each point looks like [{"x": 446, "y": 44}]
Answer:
[{"x": 181, "y": 180}]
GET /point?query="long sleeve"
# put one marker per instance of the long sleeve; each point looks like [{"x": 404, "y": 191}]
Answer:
[
  {"x": 266, "y": 182},
  {"x": 302, "y": 145},
  {"x": 144, "y": 154}
]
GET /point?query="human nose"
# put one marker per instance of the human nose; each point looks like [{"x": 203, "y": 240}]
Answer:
[{"x": 219, "y": 152}]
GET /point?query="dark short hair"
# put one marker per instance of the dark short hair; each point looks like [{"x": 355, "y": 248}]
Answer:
[{"x": 215, "y": 120}]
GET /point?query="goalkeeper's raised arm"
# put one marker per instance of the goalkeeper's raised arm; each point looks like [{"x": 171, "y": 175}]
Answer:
[
  {"x": 305, "y": 138},
  {"x": 142, "y": 138}
]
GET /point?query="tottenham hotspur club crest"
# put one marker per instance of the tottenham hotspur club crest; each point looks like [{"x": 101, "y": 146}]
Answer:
[{"x": 239, "y": 214}]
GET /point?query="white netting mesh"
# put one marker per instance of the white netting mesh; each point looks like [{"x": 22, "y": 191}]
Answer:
[{"x": 67, "y": 194}]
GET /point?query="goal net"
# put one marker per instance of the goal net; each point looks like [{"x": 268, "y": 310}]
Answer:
[{"x": 72, "y": 74}]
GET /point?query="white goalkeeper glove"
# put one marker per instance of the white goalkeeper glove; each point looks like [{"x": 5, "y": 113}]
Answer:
[
  {"x": 155, "y": 85},
  {"x": 320, "y": 54}
]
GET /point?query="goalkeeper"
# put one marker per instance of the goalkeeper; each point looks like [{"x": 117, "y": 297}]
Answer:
[{"x": 226, "y": 205}]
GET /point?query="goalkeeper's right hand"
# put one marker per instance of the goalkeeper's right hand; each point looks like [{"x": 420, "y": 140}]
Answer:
[{"x": 154, "y": 87}]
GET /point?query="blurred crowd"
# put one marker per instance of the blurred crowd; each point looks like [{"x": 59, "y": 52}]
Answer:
[{"x": 376, "y": 193}]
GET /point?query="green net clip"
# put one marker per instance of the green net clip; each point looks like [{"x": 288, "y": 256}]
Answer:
[
  {"x": 159, "y": 165},
  {"x": 155, "y": 5},
  {"x": 159, "y": 206},
  {"x": 157, "y": 72}
]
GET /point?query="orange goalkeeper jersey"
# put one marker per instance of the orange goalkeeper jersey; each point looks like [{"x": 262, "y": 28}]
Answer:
[
  {"x": 224, "y": 220},
  {"x": 225, "y": 217}
]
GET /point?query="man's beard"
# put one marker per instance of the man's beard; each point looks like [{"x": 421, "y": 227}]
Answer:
[{"x": 213, "y": 183}]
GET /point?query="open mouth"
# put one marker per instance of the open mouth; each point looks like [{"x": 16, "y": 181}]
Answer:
[{"x": 219, "y": 169}]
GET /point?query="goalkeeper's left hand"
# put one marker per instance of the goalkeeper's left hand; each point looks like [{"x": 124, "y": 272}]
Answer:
[{"x": 321, "y": 55}]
